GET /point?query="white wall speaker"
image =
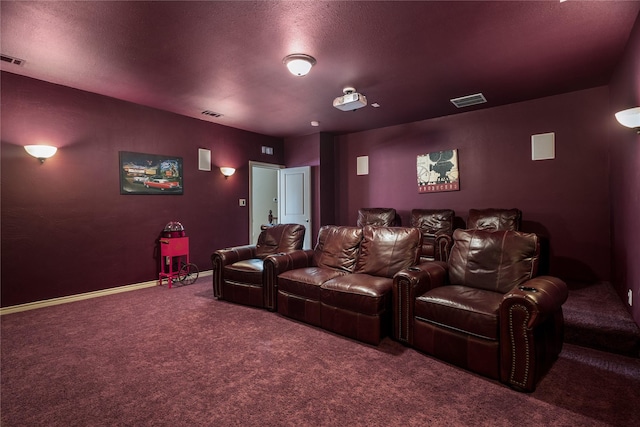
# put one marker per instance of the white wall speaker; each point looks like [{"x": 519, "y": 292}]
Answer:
[
  {"x": 204, "y": 159},
  {"x": 543, "y": 146},
  {"x": 362, "y": 165}
]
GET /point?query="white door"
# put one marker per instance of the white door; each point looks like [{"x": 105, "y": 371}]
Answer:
[
  {"x": 294, "y": 196},
  {"x": 263, "y": 197}
]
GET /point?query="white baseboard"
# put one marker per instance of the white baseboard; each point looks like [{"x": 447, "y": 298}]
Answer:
[{"x": 79, "y": 297}]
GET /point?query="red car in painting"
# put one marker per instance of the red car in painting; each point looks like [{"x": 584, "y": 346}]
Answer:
[{"x": 162, "y": 184}]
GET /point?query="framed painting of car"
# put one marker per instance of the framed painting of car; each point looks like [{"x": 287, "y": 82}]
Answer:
[{"x": 142, "y": 173}]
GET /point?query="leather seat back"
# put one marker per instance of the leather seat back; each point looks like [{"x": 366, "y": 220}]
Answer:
[
  {"x": 493, "y": 260},
  {"x": 381, "y": 217},
  {"x": 280, "y": 238},
  {"x": 495, "y": 219},
  {"x": 386, "y": 250},
  {"x": 337, "y": 247},
  {"x": 432, "y": 222}
]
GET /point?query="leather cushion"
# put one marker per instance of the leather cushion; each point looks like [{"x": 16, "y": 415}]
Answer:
[
  {"x": 305, "y": 282},
  {"x": 469, "y": 310},
  {"x": 380, "y": 217},
  {"x": 245, "y": 271},
  {"x": 337, "y": 247},
  {"x": 494, "y": 219},
  {"x": 280, "y": 238},
  {"x": 386, "y": 250},
  {"x": 493, "y": 260},
  {"x": 360, "y": 293},
  {"x": 433, "y": 221}
]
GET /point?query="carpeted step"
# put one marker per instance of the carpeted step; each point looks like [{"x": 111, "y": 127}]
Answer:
[{"x": 595, "y": 317}]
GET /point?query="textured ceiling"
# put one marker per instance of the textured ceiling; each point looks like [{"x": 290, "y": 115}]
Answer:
[{"x": 410, "y": 57}]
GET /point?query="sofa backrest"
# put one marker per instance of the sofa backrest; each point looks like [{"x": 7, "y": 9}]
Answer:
[
  {"x": 494, "y": 219},
  {"x": 493, "y": 260},
  {"x": 337, "y": 247},
  {"x": 432, "y": 222},
  {"x": 280, "y": 238},
  {"x": 381, "y": 217},
  {"x": 386, "y": 250}
]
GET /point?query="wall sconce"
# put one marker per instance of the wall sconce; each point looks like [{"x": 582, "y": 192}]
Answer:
[
  {"x": 629, "y": 118},
  {"x": 41, "y": 152},
  {"x": 299, "y": 64},
  {"x": 227, "y": 172}
]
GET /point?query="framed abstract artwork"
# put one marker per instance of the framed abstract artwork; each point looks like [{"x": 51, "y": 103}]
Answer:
[
  {"x": 438, "y": 171},
  {"x": 150, "y": 174}
]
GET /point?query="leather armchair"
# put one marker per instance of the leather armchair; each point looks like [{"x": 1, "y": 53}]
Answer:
[
  {"x": 238, "y": 272},
  {"x": 484, "y": 310},
  {"x": 494, "y": 219},
  {"x": 436, "y": 226},
  {"x": 379, "y": 217}
]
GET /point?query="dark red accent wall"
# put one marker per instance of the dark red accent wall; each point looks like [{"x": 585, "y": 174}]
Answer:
[
  {"x": 65, "y": 227},
  {"x": 318, "y": 151},
  {"x": 625, "y": 177},
  {"x": 566, "y": 200}
]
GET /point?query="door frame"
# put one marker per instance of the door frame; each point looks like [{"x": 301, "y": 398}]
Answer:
[{"x": 253, "y": 164}]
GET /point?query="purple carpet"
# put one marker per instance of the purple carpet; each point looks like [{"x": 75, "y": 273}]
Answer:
[{"x": 178, "y": 357}]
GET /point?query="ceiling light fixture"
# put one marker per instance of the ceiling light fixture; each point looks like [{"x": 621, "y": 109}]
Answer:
[
  {"x": 629, "y": 118},
  {"x": 299, "y": 64},
  {"x": 41, "y": 152}
]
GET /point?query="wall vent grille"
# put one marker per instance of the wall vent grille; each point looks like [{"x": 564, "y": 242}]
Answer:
[
  {"x": 12, "y": 60},
  {"x": 469, "y": 100},
  {"x": 212, "y": 113}
]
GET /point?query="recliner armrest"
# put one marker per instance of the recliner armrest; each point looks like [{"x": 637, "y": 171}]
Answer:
[
  {"x": 408, "y": 284},
  {"x": 277, "y": 264},
  {"x": 443, "y": 243},
  {"x": 531, "y": 330},
  {"x": 230, "y": 255},
  {"x": 540, "y": 295}
]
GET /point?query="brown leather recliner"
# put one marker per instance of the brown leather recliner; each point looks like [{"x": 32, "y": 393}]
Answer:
[
  {"x": 380, "y": 217},
  {"x": 494, "y": 219},
  {"x": 436, "y": 226},
  {"x": 344, "y": 285},
  {"x": 238, "y": 272},
  {"x": 485, "y": 310}
]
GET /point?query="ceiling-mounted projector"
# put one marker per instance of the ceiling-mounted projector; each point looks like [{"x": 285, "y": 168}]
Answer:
[{"x": 350, "y": 101}]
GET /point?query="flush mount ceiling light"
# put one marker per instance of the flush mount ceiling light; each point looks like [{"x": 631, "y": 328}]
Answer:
[
  {"x": 299, "y": 64},
  {"x": 41, "y": 152},
  {"x": 629, "y": 118}
]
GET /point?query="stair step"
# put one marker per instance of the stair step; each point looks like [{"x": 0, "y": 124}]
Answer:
[{"x": 595, "y": 317}]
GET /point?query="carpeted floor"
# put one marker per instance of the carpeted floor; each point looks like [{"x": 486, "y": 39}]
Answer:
[{"x": 179, "y": 357}]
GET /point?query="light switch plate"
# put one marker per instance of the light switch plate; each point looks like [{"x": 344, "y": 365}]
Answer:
[{"x": 242, "y": 202}]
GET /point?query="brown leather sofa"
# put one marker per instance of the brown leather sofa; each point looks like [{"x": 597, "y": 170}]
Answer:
[
  {"x": 494, "y": 219},
  {"x": 238, "y": 272},
  {"x": 436, "y": 226},
  {"x": 344, "y": 284},
  {"x": 381, "y": 217},
  {"x": 484, "y": 310}
]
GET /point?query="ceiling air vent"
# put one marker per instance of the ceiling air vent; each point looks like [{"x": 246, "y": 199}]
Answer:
[
  {"x": 211, "y": 113},
  {"x": 467, "y": 101},
  {"x": 12, "y": 60}
]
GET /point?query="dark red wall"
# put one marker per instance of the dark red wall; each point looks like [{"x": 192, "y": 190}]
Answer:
[
  {"x": 565, "y": 199},
  {"x": 625, "y": 177},
  {"x": 65, "y": 227},
  {"x": 305, "y": 151}
]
